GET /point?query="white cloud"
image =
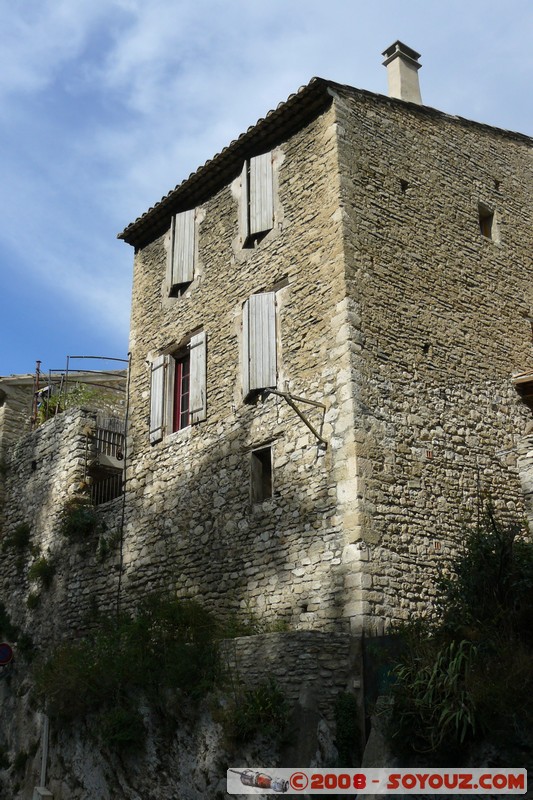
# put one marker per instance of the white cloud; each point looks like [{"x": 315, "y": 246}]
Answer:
[{"x": 108, "y": 104}]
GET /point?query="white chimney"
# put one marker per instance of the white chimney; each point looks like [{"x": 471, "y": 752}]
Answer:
[{"x": 402, "y": 72}]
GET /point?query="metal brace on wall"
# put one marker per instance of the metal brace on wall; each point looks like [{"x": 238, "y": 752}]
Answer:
[{"x": 292, "y": 400}]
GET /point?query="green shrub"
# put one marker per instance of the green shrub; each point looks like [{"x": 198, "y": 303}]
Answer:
[
  {"x": 122, "y": 729},
  {"x": 79, "y": 519},
  {"x": 7, "y": 629},
  {"x": 438, "y": 710},
  {"x": 492, "y": 581},
  {"x": 34, "y": 598},
  {"x": 42, "y": 570},
  {"x": 469, "y": 671},
  {"x": 19, "y": 540},
  {"x": 262, "y": 709},
  {"x": 168, "y": 644},
  {"x": 78, "y": 395}
]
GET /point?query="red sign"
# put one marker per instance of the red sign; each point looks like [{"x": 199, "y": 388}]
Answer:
[{"x": 6, "y": 654}]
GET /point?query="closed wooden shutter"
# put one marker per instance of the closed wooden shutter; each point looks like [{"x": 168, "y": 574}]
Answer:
[
  {"x": 157, "y": 398},
  {"x": 198, "y": 399},
  {"x": 169, "y": 391},
  {"x": 259, "y": 342},
  {"x": 261, "y": 194},
  {"x": 181, "y": 253},
  {"x": 244, "y": 207}
]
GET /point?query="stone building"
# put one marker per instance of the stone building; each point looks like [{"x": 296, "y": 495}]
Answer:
[{"x": 328, "y": 322}]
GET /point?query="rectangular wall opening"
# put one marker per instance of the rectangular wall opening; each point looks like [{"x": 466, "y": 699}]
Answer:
[{"x": 261, "y": 474}]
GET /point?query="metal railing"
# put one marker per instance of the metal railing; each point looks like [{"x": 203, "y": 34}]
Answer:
[{"x": 105, "y": 489}]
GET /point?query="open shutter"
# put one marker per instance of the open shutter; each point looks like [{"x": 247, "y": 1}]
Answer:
[
  {"x": 259, "y": 342},
  {"x": 181, "y": 253},
  {"x": 261, "y": 194},
  {"x": 244, "y": 210},
  {"x": 197, "y": 398},
  {"x": 157, "y": 398}
]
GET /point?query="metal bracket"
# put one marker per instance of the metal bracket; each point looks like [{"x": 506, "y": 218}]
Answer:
[{"x": 292, "y": 399}]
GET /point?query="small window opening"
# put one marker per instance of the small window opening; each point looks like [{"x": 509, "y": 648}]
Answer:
[
  {"x": 525, "y": 390},
  {"x": 180, "y": 416},
  {"x": 496, "y": 185},
  {"x": 404, "y": 185},
  {"x": 426, "y": 348},
  {"x": 261, "y": 474},
  {"x": 486, "y": 221}
]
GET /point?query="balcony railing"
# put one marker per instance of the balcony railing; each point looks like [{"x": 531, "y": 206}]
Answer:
[{"x": 107, "y": 467}]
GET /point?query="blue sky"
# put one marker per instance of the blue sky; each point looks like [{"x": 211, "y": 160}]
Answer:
[{"x": 108, "y": 104}]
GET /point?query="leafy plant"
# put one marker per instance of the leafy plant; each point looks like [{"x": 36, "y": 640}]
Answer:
[
  {"x": 19, "y": 540},
  {"x": 79, "y": 519},
  {"x": 7, "y": 629},
  {"x": 167, "y": 645},
  {"x": 78, "y": 395},
  {"x": 439, "y": 706},
  {"x": 42, "y": 570},
  {"x": 122, "y": 729},
  {"x": 262, "y": 709},
  {"x": 34, "y": 598},
  {"x": 470, "y": 670}
]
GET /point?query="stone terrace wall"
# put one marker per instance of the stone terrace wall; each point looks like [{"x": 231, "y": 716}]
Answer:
[
  {"x": 439, "y": 317},
  {"x": 325, "y": 663},
  {"x": 191, "y": 523},
  {"x": 44, "y": 470}
]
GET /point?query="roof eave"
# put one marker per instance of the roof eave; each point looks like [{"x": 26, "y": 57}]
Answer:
[{"x": 288, "y": 117}]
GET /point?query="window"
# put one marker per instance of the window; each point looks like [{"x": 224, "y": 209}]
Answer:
[
  {"x": 259, "y": 368},
  {"x": 257, "y": 199},
  {"x": 181, "y": 257},
  {"x": 180, "y": 414},
  {"x": 261, "y": 474},
  {"x": 178, "y": 389},
  {"x": 487, "y": 224}
]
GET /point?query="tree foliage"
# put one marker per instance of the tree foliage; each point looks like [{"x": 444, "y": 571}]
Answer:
[{"x": 468, "y": 673}]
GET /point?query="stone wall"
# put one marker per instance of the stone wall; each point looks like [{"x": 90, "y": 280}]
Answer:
[
  {"x": 190, "y": 520},
  {"x": 439, "y": 324},
  {"x": 44, "y": 470},
  {"x": 324, "y": 663}
]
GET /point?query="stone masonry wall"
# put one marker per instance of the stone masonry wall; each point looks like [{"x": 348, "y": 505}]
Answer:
[
  {"x": 15, "y": 414},
  {"x": 44, "y": 470},
  {"x": 324, "y": 663},
  {"x": 440, "y": 322},
  {"x": 190, "y": 521}
]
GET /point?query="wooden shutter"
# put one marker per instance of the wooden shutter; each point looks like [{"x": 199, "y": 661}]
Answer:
[
  {"x": 169, "y": 392},
  {"x": 181, "y": 253},
  {"x": 261, "y": 194},
  {"x": 244, "y": 210},
  {"x": 259, "y": 342},
  {"x": 197, "y": 397},
  {"x": 157, "y": 398}
]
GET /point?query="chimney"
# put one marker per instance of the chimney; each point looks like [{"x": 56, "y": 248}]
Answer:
[{"x": 402, "y": 72}]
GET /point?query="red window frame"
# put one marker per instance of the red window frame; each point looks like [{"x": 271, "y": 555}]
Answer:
[{"x": 181, "y": 406}]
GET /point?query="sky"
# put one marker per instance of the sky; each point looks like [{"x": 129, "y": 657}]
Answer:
[{"x": 106, "y": 105}]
